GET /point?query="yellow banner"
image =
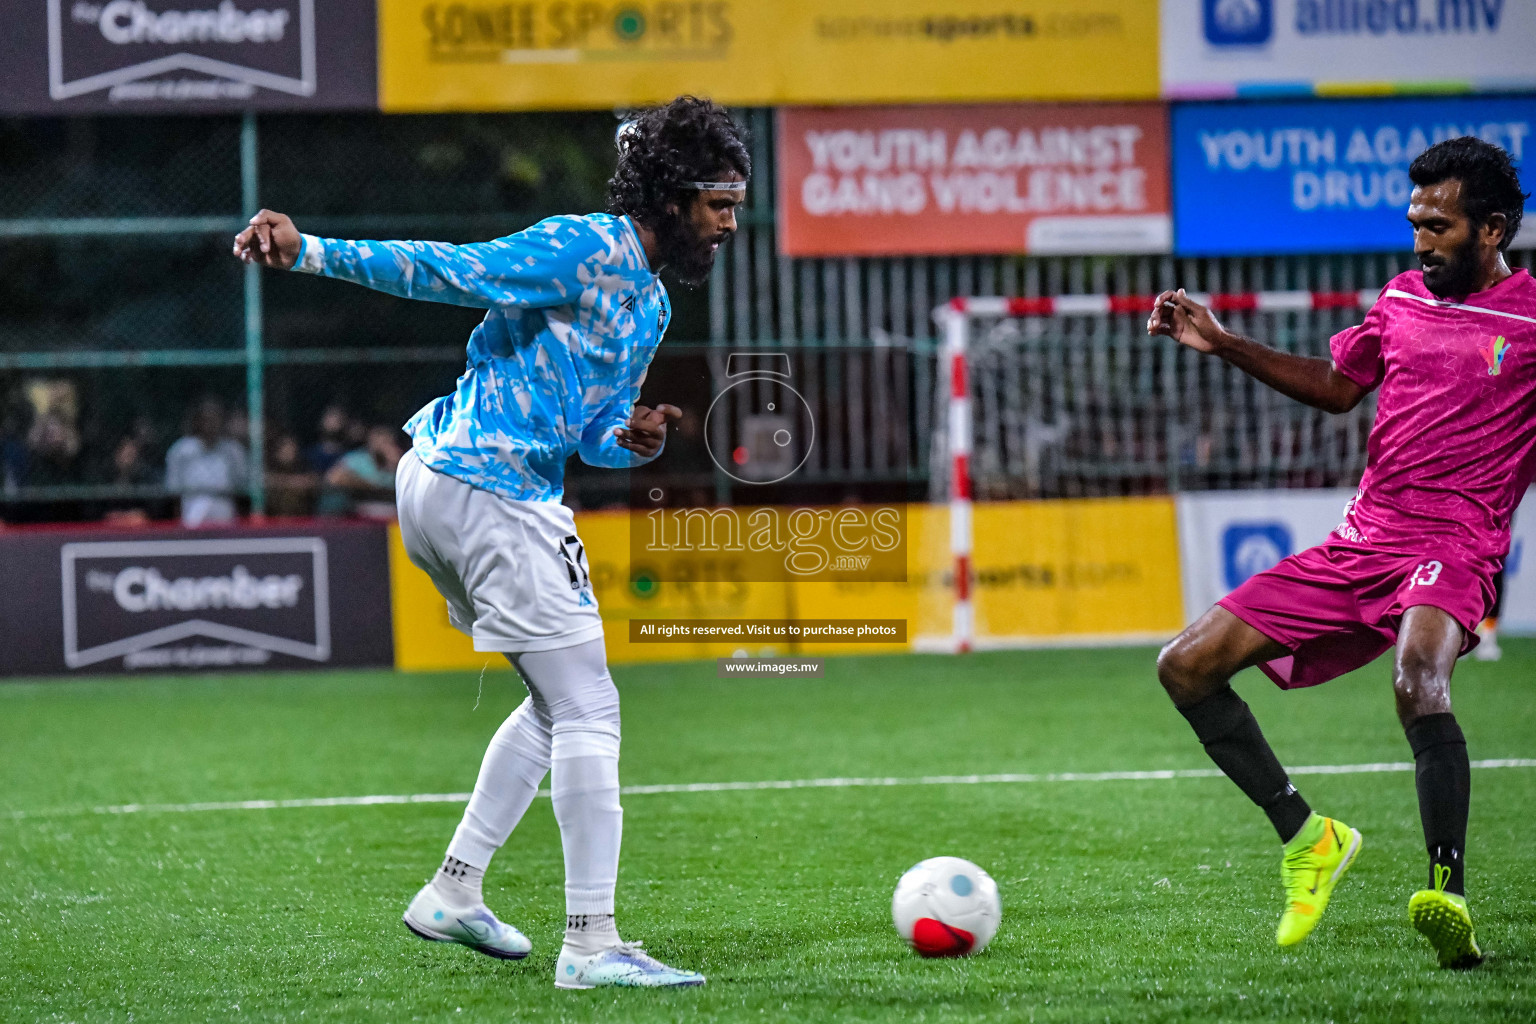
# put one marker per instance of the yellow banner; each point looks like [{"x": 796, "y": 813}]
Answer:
[
  {"x": 587, "y": 54},
  {"x": 1060, "y": 570},
  {"x": 1046, "y": 571}
]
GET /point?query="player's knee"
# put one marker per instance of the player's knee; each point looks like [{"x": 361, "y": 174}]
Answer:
[
  {"x": 531, "y": 723},
  {"x": 1174, "y": 667},
  {"x": 1183, "y": 669},
  {"x": 594, "y": 702},
  {"x": 604, "y": 704},
  {"x": 1421, "y": 686}
]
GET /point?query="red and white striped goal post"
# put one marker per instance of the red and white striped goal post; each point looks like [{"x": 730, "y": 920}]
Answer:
[
  {"x": 1104, "y": 305},
  {"x": 955, "y": 317}
]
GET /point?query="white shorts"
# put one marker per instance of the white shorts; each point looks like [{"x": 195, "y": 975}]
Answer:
[{"x": 514, "y": 573}]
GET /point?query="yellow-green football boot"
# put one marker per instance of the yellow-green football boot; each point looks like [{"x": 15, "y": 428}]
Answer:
[
  {"x": 1443, "y": 919},
  {"x": 1315, "y": 859}
]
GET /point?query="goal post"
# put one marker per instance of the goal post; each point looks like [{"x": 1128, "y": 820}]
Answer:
[{"x": 968, "y": 391}]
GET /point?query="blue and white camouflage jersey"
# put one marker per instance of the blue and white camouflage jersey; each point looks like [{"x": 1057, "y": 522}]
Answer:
[{"x": 574, "y": 315}]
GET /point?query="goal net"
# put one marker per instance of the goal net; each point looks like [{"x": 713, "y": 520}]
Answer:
[{"x": 1061, "y": 430}]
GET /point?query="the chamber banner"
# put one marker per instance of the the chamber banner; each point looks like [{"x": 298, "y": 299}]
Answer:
[
  {"x": 164, "y": 600},
  {"x": 187, "y": 56}
]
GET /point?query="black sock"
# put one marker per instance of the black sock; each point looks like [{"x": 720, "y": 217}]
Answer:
[
  {"x": 1232, "y": 738},
  {"x": 1443, "y": 777}
]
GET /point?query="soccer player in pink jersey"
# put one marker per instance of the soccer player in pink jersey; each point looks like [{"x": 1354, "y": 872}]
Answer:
[{"x": 1452, "y": 350}]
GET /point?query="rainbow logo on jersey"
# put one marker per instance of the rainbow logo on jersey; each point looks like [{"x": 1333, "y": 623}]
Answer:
[{"x": 1494, "y": 354}]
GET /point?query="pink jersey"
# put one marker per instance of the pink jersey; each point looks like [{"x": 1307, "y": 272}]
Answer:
[{"x": 1454, "y": 445}]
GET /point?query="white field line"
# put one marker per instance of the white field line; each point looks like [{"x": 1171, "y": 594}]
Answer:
[{"x": 769, "y": 784}]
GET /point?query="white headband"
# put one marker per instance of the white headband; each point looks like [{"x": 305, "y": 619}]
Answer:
[{"x": 626, "y": 134}]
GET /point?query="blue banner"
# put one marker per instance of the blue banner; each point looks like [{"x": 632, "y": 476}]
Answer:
[{"x": 1321, "y": 175}]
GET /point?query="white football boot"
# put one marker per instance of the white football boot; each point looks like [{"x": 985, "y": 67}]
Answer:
[
  {"x": 1489, "y": 649},
  {"x": 624, "y": 966},
  {"x": 476, "y": 927}
]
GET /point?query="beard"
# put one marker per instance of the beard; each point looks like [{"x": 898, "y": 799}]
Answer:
[
  {"x": 1455, "y": 275},
  {"x": 689, "y": 255}
]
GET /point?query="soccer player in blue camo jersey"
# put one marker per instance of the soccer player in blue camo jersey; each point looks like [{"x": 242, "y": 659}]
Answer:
[{"x": 575, "y": 310}]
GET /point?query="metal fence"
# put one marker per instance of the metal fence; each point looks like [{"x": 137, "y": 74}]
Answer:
[
  {"x": 114, "y": 240},
  {"x": 1079, "y": 406}
]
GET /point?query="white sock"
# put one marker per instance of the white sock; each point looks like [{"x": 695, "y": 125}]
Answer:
[
  {"x": 458, "y": 883},
  {"x": 585, "y": 787},
  {"x": 515, "y": 764}
]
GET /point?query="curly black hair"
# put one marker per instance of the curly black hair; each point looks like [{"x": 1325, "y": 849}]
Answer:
[
  {"x": 689, "y": 139},
  {"x": 1489, "y": 183}
]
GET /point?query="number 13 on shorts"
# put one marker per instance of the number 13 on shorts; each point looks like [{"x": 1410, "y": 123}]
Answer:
[{"x": 1425, "y": 574}]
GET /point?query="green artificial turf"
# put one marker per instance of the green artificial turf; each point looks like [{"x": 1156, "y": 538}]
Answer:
[{"x": 1151, "y": 900}]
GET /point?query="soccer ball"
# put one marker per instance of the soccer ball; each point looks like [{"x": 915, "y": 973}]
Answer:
[{"x": 946, "y": 906}]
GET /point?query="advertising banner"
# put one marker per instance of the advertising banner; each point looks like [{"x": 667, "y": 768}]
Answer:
[
  {"x": 194, "y": 56},
  {"x": 1047, "y": 572},
  {"x": 178, "y": 600},
  {"x": 973, "y": 179},
  {"x": 1519, "y": 612},
  {"x": 1082, "y": 570},
  {"x": 1320, "y": 176},
  {"x": 1226, "y": 537},
  {"x": 1223, "y": 48},
  {"x": 587, "y": 54}
]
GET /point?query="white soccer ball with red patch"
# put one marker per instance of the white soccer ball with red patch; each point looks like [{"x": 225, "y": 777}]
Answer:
[{"x": 946, "y": 906}]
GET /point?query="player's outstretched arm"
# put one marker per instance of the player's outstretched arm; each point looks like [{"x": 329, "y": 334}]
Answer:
[
  {"x": 1316, "y": 382},
  {"x": 270, "y": 240},
  {"x": 530, "y": 269},
  {"x": 630, "y": 441}
]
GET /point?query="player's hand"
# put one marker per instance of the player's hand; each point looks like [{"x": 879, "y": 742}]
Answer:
[
  {"x": 270, "y": 241},
  {"x": 647, "y": 430},
  {"x": 1187, "y": 322}
]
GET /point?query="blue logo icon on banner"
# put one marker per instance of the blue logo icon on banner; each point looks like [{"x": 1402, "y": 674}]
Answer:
[
  {"x": 1247, "y": 549},
  {"x": 1239, "y": 22}
]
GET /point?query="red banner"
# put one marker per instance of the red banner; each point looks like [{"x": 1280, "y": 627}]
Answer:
[{"x": 870, "y": 181}]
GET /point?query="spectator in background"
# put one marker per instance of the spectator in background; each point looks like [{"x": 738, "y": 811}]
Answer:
[
  {"x": 237, "y": 427},
  {"x": 146, "y": 433},
  {"x": 362, "y": 482},
  {"x": 53, "y": 446},
  {"x": 206, "y": 468},
  {"x": 128, "y": 468},
  {"x": 14, "y": 424},
  {"x": 291, "y": 484},
  {"x": 332, "y": 443},
  {"x": 356, "y": 433}
]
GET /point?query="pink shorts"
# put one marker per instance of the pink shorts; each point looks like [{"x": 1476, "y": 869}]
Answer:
[{"x": 1337, "y": 606}]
